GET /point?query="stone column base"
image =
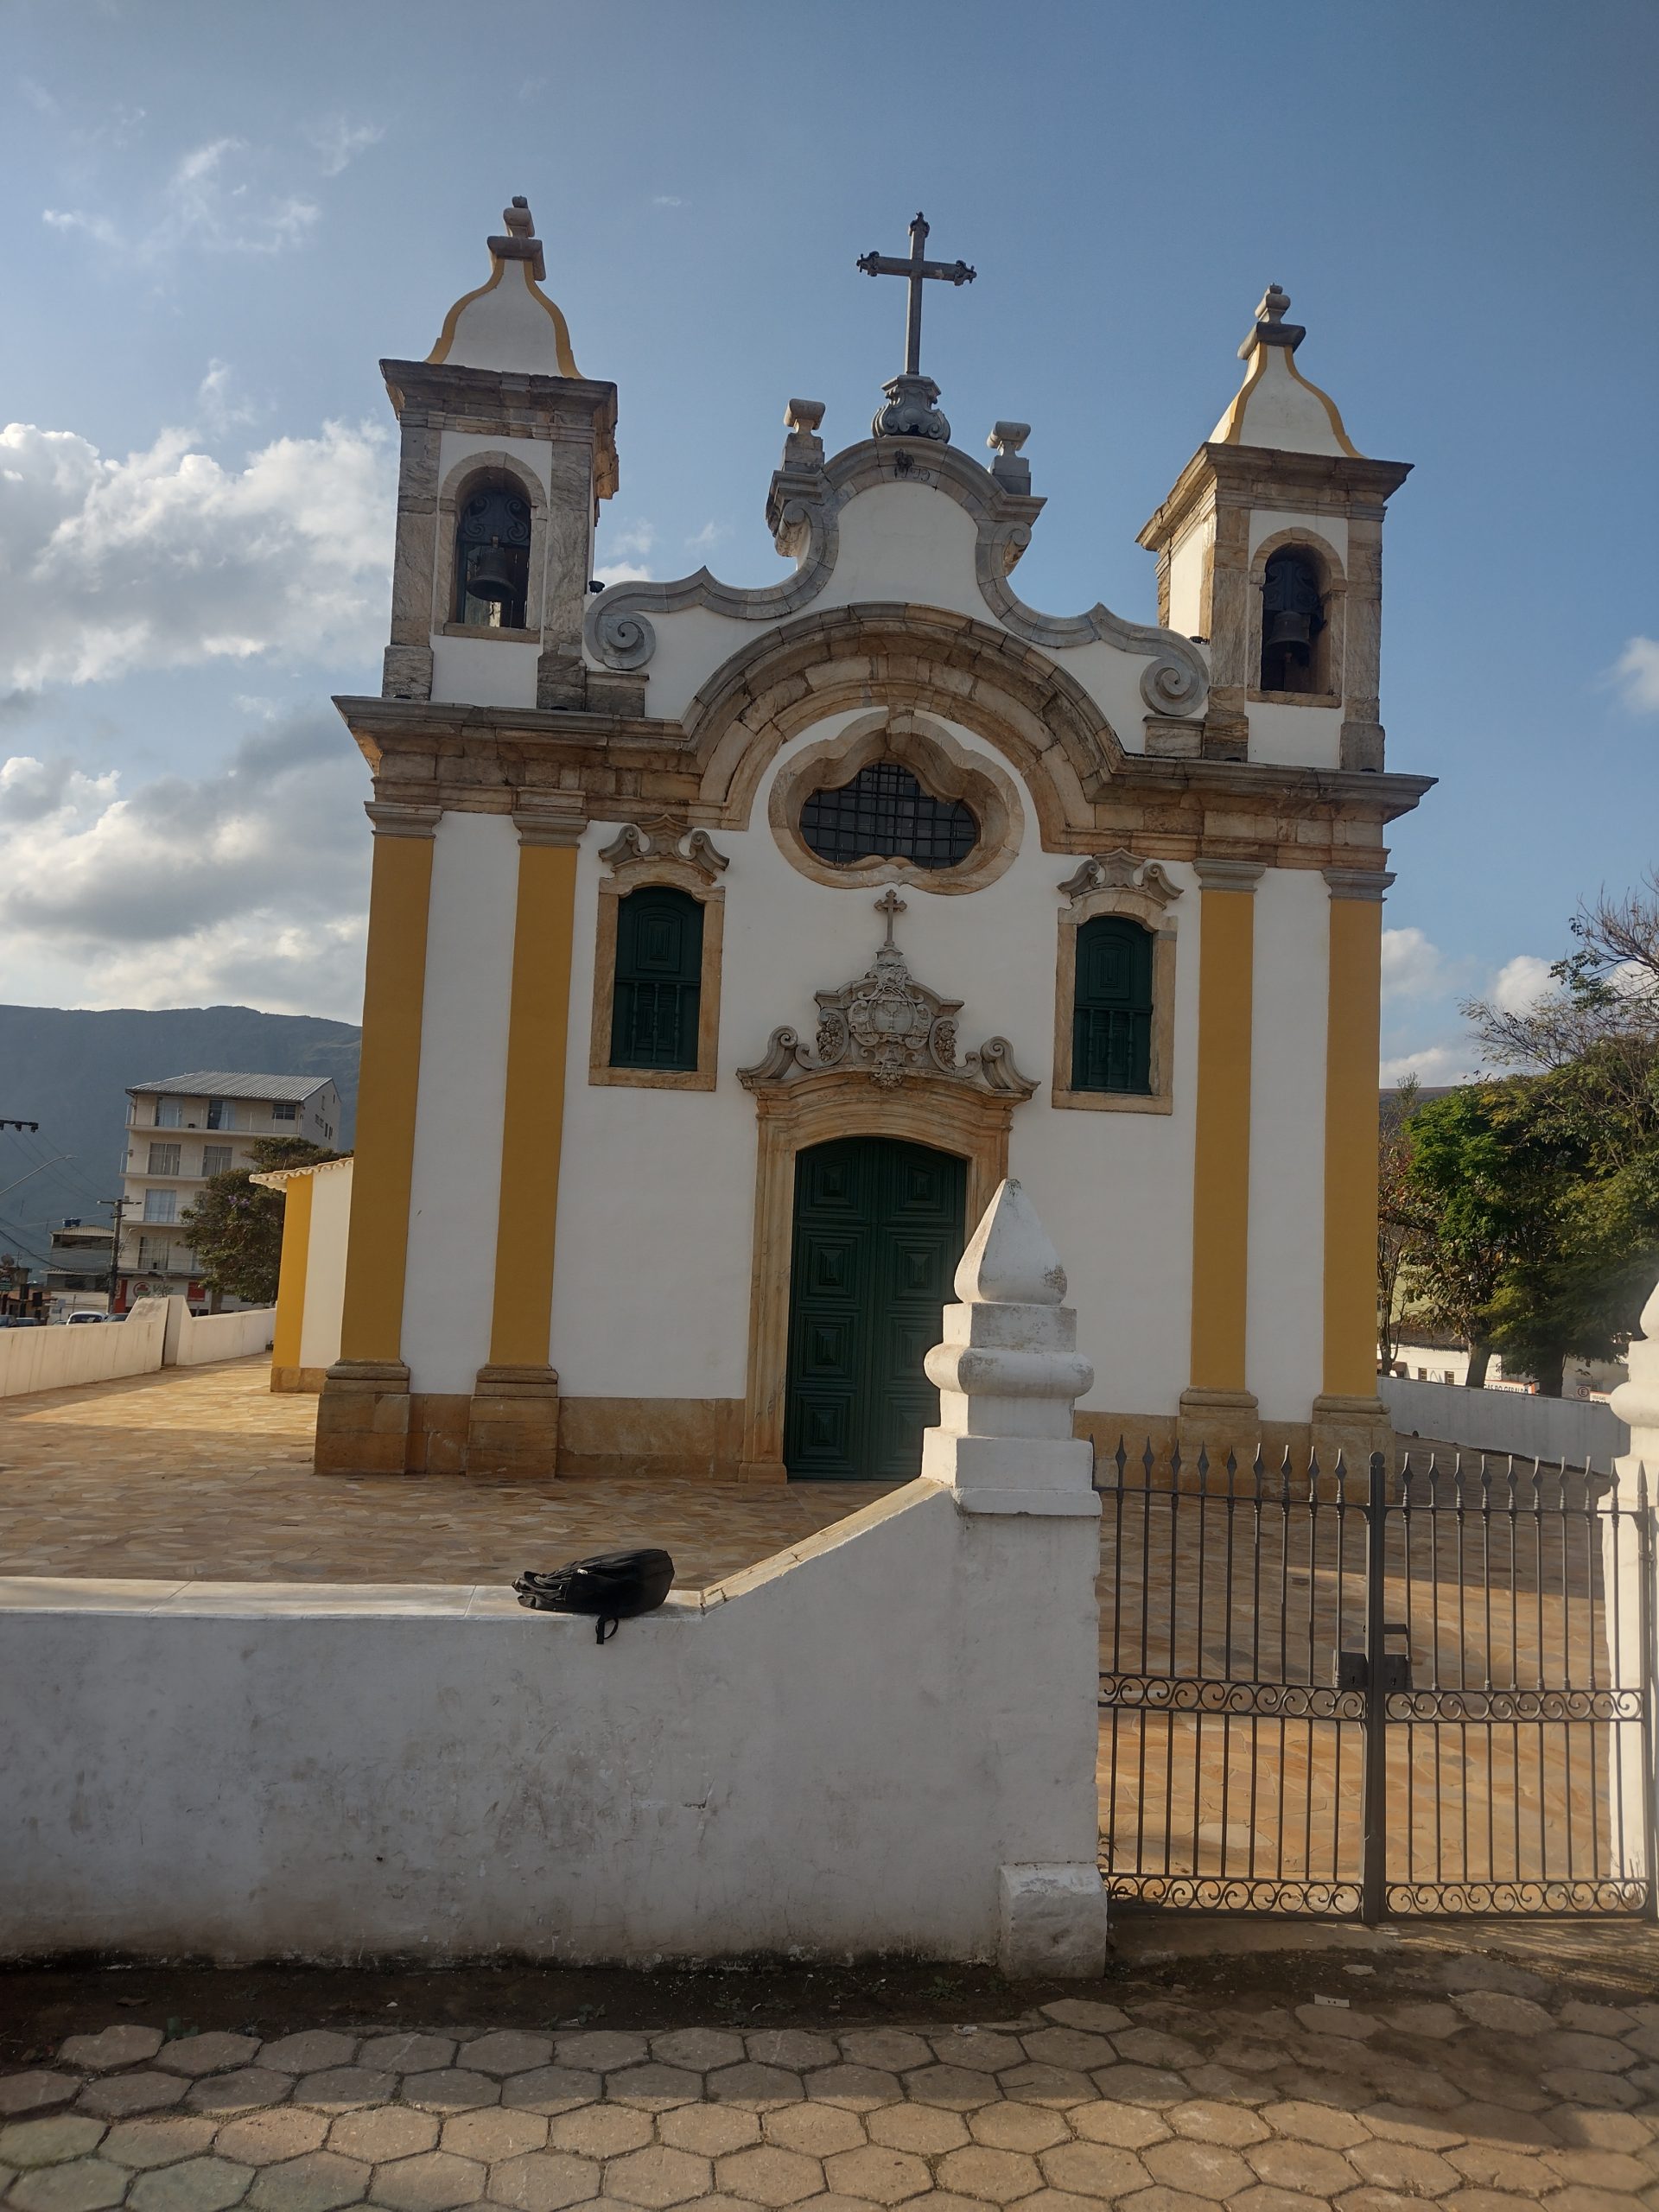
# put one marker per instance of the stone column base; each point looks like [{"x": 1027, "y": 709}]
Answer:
[
  {"x": 363, "y": 1419},
  {"x": 1354, "y": 1426},
  {"x": 1220, "y": 1421},
  {"x": 762, "y": 1471},
  {"x": 1052, "y": 1920},
  {"x": 512, "y": 1430}
]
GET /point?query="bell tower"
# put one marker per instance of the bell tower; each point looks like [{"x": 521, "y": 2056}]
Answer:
[
  {"x": 506, "y": 451},
  {"x": 1270, "y": 549}
]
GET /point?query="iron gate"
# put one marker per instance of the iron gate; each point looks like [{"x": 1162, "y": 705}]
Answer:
[{"x": 1438, "y": 1703}]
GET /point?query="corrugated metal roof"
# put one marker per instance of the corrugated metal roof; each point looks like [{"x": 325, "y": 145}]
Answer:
[{"x": 216, "y": 1083}]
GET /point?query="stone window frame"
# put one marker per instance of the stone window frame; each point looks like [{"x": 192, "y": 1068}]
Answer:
[
  {"x": 651, "y": 870},
  {"x": 1148, "y": 909},
  {"x": 945, "y": 768},
  {"x": 454, "y": 490},
  {"x": 1333, "y": 595}
]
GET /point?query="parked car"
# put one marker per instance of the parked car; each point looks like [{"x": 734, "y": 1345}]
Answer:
[{"x": 72, "y": 1317}]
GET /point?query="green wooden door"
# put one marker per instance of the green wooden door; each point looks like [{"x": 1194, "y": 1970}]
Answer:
[{"x": 878, "y": 1233}]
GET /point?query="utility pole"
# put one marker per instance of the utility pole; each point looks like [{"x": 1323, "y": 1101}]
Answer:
[{"x": 120, "y": 1207}]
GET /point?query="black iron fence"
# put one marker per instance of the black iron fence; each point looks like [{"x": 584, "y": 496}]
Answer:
[{"x": 1423, "y": 1691}]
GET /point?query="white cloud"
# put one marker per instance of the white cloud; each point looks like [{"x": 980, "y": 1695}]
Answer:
[
  {"x": 624, "y": 559},
  {"x": 667, "y": 199},
  {"x": 339, "y": 143},
  {"x": 218, "y": 405},
  {"x": 1636, "y": 672},
  {"x": 248, "y": 884},
  {"x": 1521, "y": 982},
  {"x": 1431, "y": 1065},
  {"x": 212, "y": 199},
  {"x": 166, "y": 559},
  {"x": 1412, "y": 967},
  {"x": 711, "y": 534}
]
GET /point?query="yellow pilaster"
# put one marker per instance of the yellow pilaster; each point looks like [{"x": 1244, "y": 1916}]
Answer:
[
  {"x": 1218, "y": 1409},
  {"x": 363, "y": 1415},
  {"x": 1348, "y": 1412},
  {"x": 290, "y": 1284},
  {"x": 513, "y": 1429}
]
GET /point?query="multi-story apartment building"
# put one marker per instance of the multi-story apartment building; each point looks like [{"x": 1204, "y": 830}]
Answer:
[
  {"x": 183, "y": 1129},
  {"x": 77, "y": 1267}
]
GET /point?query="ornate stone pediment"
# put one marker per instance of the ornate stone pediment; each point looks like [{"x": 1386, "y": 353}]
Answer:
[
  {"x": 888, "y": 1026},
  {"x": 1120, "y": 870},
  {"x": 662, "y": 837}
]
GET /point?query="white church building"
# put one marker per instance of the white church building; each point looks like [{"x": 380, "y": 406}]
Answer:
[{"x": 727, "y": 947}]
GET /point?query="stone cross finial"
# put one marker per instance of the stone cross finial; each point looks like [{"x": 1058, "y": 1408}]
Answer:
[
  {"x": 1008, "y": 1372},
  {"x": 1270, "y": 327},
  {"x": 520, "y": 242},
  {"x": 911, "y": 411},
  {"x": 891, "y": 905}
]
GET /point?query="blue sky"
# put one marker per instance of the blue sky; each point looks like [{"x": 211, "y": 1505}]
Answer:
[{"x": 221, "y": 217}]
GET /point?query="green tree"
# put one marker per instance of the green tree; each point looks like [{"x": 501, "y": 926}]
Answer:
[{"x": 235, "y": 1227}]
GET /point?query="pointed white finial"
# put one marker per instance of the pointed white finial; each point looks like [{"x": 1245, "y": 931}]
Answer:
[{"x": 1010, "y": 1260}]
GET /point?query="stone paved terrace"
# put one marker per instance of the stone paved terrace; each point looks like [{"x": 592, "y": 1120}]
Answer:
[{"x": 1470, "y": 2083}]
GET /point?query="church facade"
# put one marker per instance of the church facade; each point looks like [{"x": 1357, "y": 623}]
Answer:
[{"x": 727, "y": 947}]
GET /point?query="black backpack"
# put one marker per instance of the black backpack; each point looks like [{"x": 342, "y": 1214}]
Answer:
[{"x": 612, "y": 1586}]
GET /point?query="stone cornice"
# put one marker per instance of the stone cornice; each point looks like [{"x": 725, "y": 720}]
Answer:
[
  {"x": 1262, "y": 476},
  {"x": 500, "y": 403}
]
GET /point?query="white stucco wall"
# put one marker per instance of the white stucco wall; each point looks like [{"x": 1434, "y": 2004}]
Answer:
[
  {"x": 456, "y": 1180},
  {"x": 1580, "y": 1431},
  {"x": 838, "y": 1752},
  {"x": 90, "y": 1352},
  {"x": 653, "y": 1272},
  {"x": 484, "y": 671},
  {"x": 325, "y": 1266},
  {"x": 203, "y": 1339},
  {"x": 1285, "y": 1324}
]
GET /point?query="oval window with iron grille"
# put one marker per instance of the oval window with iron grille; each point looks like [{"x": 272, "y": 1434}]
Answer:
[{"x": 885, "y": 813}]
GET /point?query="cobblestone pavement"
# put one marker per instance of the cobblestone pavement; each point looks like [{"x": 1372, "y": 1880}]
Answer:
[
  {"x": 1478, "y": 2098},
  {"x": 201, "y": 1474}
]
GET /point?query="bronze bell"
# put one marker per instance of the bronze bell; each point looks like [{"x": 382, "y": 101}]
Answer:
[
  {"x": 1290, "y": 626},
  {"x": 490, "y": 576}
]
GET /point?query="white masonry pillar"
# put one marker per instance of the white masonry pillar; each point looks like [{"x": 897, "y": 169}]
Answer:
[
  {"x": 1007, "y": 1372},
  {"x": 1637, "y": 1402}
]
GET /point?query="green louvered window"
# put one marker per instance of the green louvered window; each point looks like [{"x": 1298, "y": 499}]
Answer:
[
  {"x": 1111, "y": 1007},
  {"x": 658, "y": 980}
]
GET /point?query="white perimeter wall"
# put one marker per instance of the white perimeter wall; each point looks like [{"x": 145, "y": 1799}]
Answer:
[
  {"x": 456, "y": 1182},
  {"x": 204, "y": 1337},
  {"x": 158, "y": 1332},
  {"x": 835, "y": 1752},
  {"x": 651, "y": 1295},
  {"x": 1576, "y": 1430}
]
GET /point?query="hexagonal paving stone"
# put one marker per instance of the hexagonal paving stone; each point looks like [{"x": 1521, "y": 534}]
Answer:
[
  {"x": 1084, "y": 2012},
  {"x": 385, "y": 2133},
  {"x": 111, "y": 2047},
  {"x": 38, "y": 2090},
  {"x": 1060, "y": 2200},
  {"x": 1016, "y": 2126},
  {"x": 450, "y": 2088},
  {"x": 893, "y": 2050},
  {"x": 600, "y": 2131},
  {"x": 1495, "y": 2008},
  {"x": 1205, "y": 2170},
  {"x": 860, "y": 2088},
  {"x": 881, "y": 2175},
  {"x": 601, "y": 2050},
  {"x": 928, "y": 2130},
  {"x": 265, "y": 2138},
  {"x": 1093, "y": 2169},
  {"x": 506, "y": 2050},
  {"x": 320, "y": 2181},
  {"x": 1072, "y": 2048},
  {"x": 1403, "y": 2166},
  {"x": 1153, "y": 2047},
  {"x": 816, "y": 2130},
  {"x": 1308, "y": 2167},
  {"x": 658, "y": 2177},
  {"x": 1310, "y": 2123},
  {"x": 1577, "y": 2085},
  {"x": 769, "y": 2176},
  {"x": 756, "y": 2087},
  {"x": 346, "y": 2088},
  {"x": 956, "y": 2088},
  {"x": 1337, "y": 2020},
  {"x": 1132, "y": 2084},
  {"x": 1601, "y": 2131},
  {"x": 543, "y": 2181},
  {"x": 796, "y": 2049},
  {"x": 408, "y": 2053},
  {"x": 1207, "y": 2120},
  {"x": 82, "y": 2185},
  {"x": 702, "y": 2050},
  {"x": 432, "y": 2180},
  {"x": 210, "y": 2054},
  {"x": 1599, "y": 2054},
  {"x": 712, "y": 2130},
  {"x": 198, "y": 2185},
  {"x": 653, "y": 2087},
  {"x": 1409, "y": 2124},
  {"x": 981, "y": 2052},
  {"x": 549, "y": 2089},
  {"x": 1493, "y": 2165},
  {"x": 494, "y": 2133},
  {"x": 1433, "y": 2020},
  {"x": 118, "y": 2096},
  {"x": 49, "y": 2142},
  {"x": 1004, "y": 2177},
  {"x": 1058, "y": 2086},
  {"x": 245, "y": 2090},
  {"x": 314, "y": 2052},
  {"x": 160, "y": 2142}
]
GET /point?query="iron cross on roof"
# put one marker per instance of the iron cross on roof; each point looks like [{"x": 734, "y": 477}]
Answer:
[{"x": 916, "y": 268}]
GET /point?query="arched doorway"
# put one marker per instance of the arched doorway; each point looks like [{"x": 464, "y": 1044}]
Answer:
[{"x": 879, "y": 1227}]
